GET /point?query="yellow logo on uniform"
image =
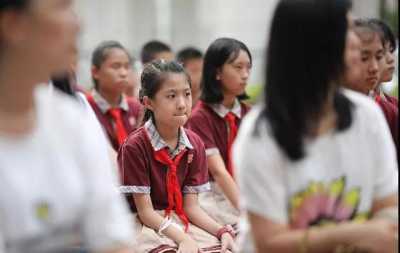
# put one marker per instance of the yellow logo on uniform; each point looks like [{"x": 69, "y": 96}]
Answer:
[{"x": 43, "y": 211}]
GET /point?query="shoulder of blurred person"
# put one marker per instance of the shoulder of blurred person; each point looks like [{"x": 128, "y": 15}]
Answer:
[
  {"x": 255, "y": 141},
  {"x": 74, "y": 131}
]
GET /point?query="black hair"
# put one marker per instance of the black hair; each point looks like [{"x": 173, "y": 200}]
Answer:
[
  {"x": 13, "y": 4},
  {"x": 304, "y": 63},
  {"x": 63, "y": 83},
  {"x": 151, "y": 48},
  {"x": 388, "y": 35},
  {"x": 367, "y": 30},
  {"x": 153, "y": 75},
  {"x": 187, "y": 54},
  {"x": 221, "y": 51},
  {"x": 101, "y": 52}
]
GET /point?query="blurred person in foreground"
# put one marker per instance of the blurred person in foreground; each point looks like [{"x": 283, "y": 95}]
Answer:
[
  {"x": 316, "y": 164},
  {"x": 57, "y": 186}
]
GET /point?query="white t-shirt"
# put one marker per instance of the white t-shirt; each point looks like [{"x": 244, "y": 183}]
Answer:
[
  {"x": 338, "y": 179},
  {"x": 57, "y": 187}
]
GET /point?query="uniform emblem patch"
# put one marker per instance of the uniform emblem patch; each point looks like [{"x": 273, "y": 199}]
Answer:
[{"x": 42, "y": 211}]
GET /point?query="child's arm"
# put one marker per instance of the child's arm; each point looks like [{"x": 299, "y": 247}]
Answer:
[
  {"x": 376, "y": 235},
  {"x": 221, "y": 176},
  {"x": 386, "y": 203},
  {"x": 373, "y": 236},
  {"x": 198, "y": 217},
  {"x": 153, "y": 220}
]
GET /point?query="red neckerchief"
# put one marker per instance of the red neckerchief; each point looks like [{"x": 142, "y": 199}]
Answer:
[
  {"x": 230, "y": 119},
  {"x": 120, "y": 132},
  {"x": 175, "y": 199},
  {"x": 116, "y": 113},
  {"x": 378, "y": 98}
]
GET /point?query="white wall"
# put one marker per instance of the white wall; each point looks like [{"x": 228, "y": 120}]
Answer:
[
  {"x": 180, "y": 23},
  {"x": 366, "y": 8}
]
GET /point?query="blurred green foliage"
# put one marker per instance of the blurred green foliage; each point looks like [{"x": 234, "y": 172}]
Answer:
[
  {"x": 390, "y": 16},
  {"x": 254, "y": 91},
  {"x": 395, "y": 92}
]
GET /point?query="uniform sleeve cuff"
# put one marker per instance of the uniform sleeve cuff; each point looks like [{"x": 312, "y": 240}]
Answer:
[
  {"x": 212, "y": 151},
  {"x": 134, "y": 189},
  {"x": 197, "y": 189}
]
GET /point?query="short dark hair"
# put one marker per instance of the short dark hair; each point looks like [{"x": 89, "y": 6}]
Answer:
[
  {"x": 153, "y": 75},
  {"x": 304, "y": 63},
  {"x": 63, "y": 83},
  {"x": 367, "y": 30},
  {"x": 101, "y": 52},
  {"x": 13, "y": 4},
  {"x": 187, "y": 54},
  {"x": 221, "y": 51},
  {"x": 151, "y": 48},
  {"x": 388, "y": 35}
]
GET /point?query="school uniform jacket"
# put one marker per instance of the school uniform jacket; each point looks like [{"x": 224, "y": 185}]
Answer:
[
  {"x": 142, "y": 173},
  {"x": 389, "y": 106},
  {"x": 132, "y": 112},
  {"x": 208, "y": 122}
]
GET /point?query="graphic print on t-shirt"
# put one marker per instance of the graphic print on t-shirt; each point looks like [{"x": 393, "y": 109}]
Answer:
[{"x": 321, "y": 204}]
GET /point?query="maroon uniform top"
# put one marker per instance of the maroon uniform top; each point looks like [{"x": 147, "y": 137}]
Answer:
[
  {"x": 142, "y": 173},
  {"x": 132, "y": 112},
  {"x": 208, "y": 122},
  {"x": 394, "y": 101},
  {"x": 390, "y": 109}
]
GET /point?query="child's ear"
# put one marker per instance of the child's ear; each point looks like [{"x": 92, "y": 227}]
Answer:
[
  {"x": 95, "y": 72},
  {"x": 148, "y": 103}
]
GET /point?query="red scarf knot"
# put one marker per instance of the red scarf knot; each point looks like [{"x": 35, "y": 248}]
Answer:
[{"x": 175, "y": 199}]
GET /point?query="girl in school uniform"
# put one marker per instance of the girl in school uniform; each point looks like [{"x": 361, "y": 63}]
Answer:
[
  {"x": 163, "y": 168},
  {"x": 111, "y": 72},
  {"x": 216, "y": 118}
]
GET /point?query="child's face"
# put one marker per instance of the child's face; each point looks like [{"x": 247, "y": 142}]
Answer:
[
  {"x": 352, "y": 60},
  {"x": 194, "y": 67},
  {"x": 371, "y": 56},
  {"x": 234, "y": 75},
  {"x": 47, "y": 31},
  {"x": 387, "y": 64},
  {"x": 172, "y": 104},
  {"x": 113, "y": 74}
]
